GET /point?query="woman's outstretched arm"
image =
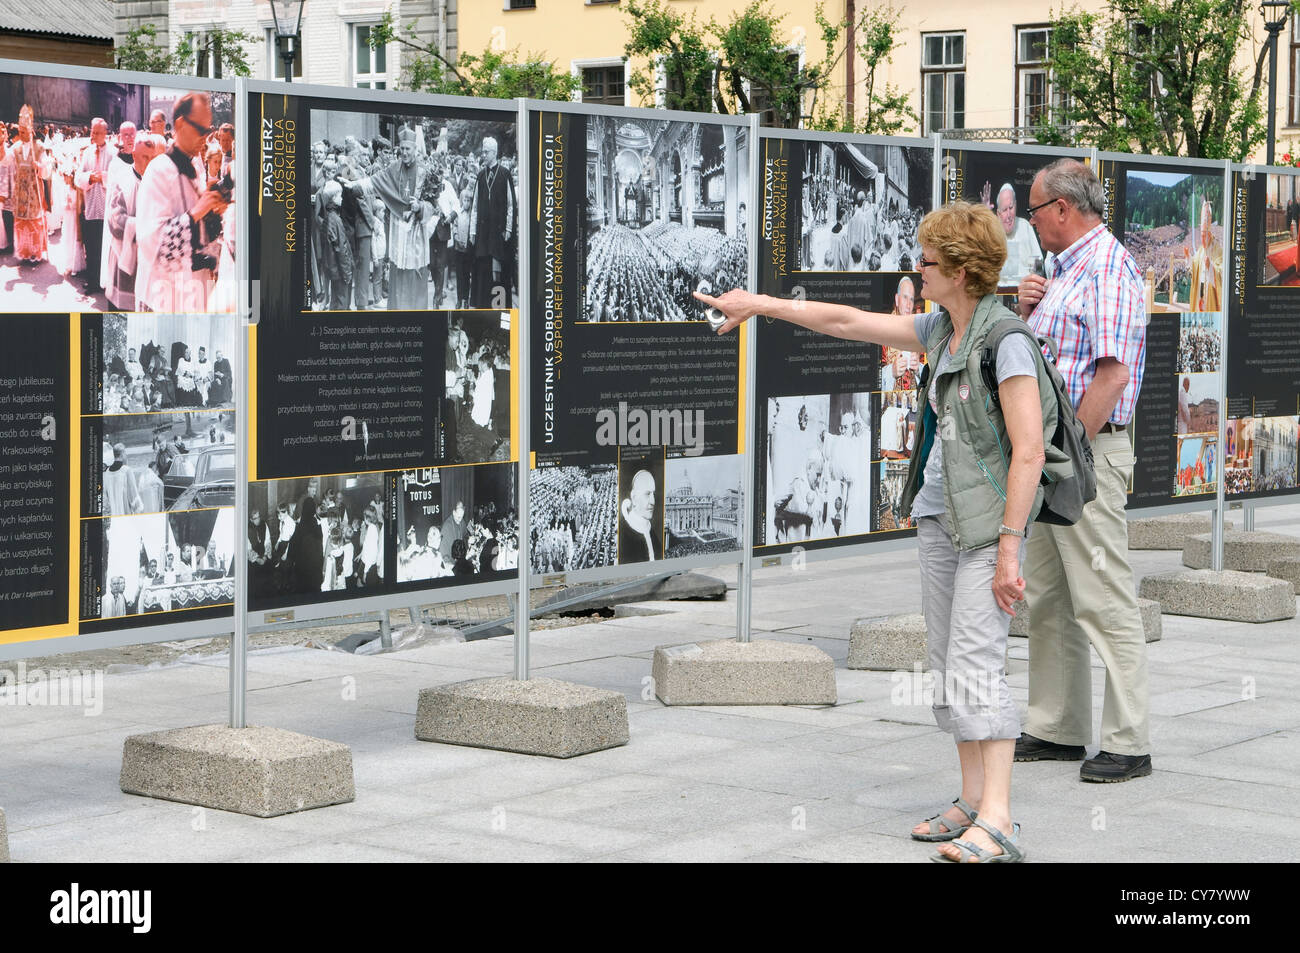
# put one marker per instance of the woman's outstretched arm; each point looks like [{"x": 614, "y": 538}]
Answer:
[{"x": 837, "y": 320}]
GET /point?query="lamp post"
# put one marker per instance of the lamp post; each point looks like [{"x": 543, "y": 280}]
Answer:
[
  {"x": 288, "y": 25},
  {"x": 1275, "y": 13}
]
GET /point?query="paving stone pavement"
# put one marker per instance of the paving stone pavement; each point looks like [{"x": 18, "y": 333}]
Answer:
[{"x": 787, "y": 784}]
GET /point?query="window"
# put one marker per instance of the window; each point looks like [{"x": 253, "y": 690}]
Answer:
[
  {"x": 521, "y": 4},
  {"x": 1293, "y": 108},
  {"x": 369, "y": 67},
  {"x": 760, "y": 101},
  {"x": 603, "y": 84},
  {"x": 207, "y": 54},
  {"x": 277, "y": 63},
  {"x": 943, "y": 81},
  {"x": 1033, "y": 82}
]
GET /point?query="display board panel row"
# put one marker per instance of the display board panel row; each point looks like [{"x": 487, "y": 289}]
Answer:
[{"x": 401, "y": 246}]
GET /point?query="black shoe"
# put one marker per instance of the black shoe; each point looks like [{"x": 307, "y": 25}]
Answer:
[
  {"x": 1115, "y": 767},
  {"x": 1029, "y": 748}
]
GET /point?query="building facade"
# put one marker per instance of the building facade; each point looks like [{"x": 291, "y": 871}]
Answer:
[
  {"x": 334, "y": 48},
  {"x": 972, "y": 69}
]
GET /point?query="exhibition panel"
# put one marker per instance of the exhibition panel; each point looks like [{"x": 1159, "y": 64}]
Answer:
[
  {"x": 1170, "y": 215},
  {"x": 386, "y": 276},
  {"x": 636, "y": 404},
  {"x": 835, "y": 418},
  {"x": 1263, "y": 336}
]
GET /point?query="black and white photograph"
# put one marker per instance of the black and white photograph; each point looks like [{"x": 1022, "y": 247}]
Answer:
[
  {"x": 895, "y": 422},
  {"x": 1200, "y": 343},
  {"x": 160, "y": 562},
  {"x": 410, "y": 212},
  {"x": 1198, "y": 404},
  {"x": 574, "y": 517},
  {"x": 458, "y": 522},
  {"x": 640, "y": 504},
  {"x": 861, "y": 206},
  {"x": 316, "y": 534},
  {"x": 703, "y": 505},
  {"x": 118, "y": 197},
  {"x": 164, "y": 462},
  {"x": 666, "y": 216},
  {"x": 893, "y": 480},
  {"x": 818, "y": 467},
  {"x": 476, "y": 406},
  {"x": 164, "y": 362}
]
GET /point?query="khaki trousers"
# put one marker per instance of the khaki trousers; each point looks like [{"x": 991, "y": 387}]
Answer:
[{"x": 1080, "y": 590}]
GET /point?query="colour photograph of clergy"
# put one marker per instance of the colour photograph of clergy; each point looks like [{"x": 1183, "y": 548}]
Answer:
[
  {"x": 410, "y": 213},
  {"x": 115, "y": 197},
  {"x": 665, "y": 217}
]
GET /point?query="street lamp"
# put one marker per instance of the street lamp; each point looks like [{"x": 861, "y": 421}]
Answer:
[
  {"x": 1275, "y": 13},
  {"x": 288, "y": 24}
]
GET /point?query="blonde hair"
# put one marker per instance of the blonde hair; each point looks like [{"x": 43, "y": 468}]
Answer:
[{"x": 965, "y": 235}]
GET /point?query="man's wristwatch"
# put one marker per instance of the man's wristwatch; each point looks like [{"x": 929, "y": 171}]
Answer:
[{"x": 1005, "y": 530}]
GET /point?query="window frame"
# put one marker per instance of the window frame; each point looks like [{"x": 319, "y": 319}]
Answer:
[
  {"x": 355, "y": 77},
  {"x": 1293, "y": 60},
  {"x": 273, "y": 56},
  {"x": 949, "y": 72},
  {"x": 1037, "y": 67},
  {"x": 577, "y": 68}
]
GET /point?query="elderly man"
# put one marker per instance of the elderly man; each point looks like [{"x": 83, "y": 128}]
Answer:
[
  {"x": 179, "y": 219},
  {"x": 399, "y": 186},
  {"x": 1078, "y": 577},
  {"x": 636, "y": 537},
  {"x": 492, "y": 229},
  {"x": 92, "y": 179},
  {"x": 115, "y": 605},
  {"x": 117, "y": 172},
  {"x": 121, "y": 251},
  {"x": 158, "y": 124},
  {"x": 1022, "y": 244}
]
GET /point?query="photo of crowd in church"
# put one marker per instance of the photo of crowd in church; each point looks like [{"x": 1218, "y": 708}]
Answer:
[
  {"x": 412, "y": 212},
  {"x": 665, "y": 217},
  {"x": 476, "y": 405},
  {"x": 116, "y": 197},
  {"x": 861, "y": 206},
  {"x": 460, "y": 522},
  {"x": 316, "y": 534},
  {"x": 574, "y": 517},
  {"x": 161, "y": 362}
]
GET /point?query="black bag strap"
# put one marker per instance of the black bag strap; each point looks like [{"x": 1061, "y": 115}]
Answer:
[{"x": 989, "y": 351}]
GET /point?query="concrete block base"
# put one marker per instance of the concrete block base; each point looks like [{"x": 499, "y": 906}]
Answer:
[
  {"x": 1149, "y": 608},
  {"x": 728, "y": 672},
  {"x": 260, "y": 771},
  {"x": 538, "y": 716},
  {"x": 1287, "y": 568},
  {"x": 4, "y": 839},
  {"x": 1243, "y": 550},
  {"x": 1167, "y": 532},
  {"x": 1230, "y": 595},
  {"x": 893, "y": 644}
]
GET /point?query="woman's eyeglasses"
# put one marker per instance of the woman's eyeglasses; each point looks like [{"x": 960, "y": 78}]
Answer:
[{"x": 925, "y": 263}]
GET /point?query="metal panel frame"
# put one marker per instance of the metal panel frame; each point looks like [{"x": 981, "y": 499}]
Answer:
[
  {"x": 164, "y": 631},
  {"x": 527, "y": 108}
]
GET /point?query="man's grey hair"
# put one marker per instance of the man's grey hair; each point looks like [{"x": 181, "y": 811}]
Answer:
[{"x": 1073, "y": 181}]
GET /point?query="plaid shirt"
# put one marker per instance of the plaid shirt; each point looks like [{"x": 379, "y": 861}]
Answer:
[{"x": 1096, "y": 307}]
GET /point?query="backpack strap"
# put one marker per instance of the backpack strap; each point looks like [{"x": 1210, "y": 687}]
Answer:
[{"x": 989, "y": 351}]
